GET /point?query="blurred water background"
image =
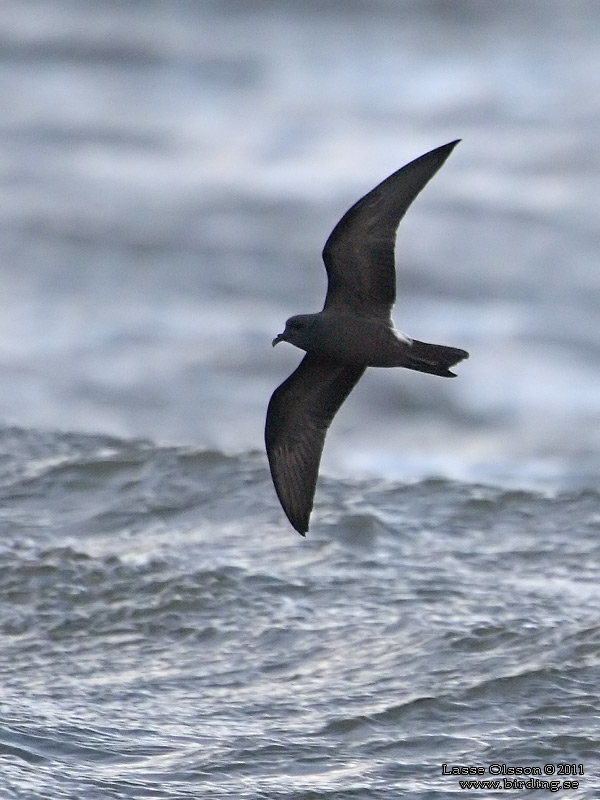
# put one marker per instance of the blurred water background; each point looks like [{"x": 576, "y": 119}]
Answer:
[{"x": 169, "y": 172}]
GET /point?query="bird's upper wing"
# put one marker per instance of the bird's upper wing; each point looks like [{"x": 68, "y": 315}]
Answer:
[
  {"x": 359, "y": 254},
  {"x": 299, "y": 413}
]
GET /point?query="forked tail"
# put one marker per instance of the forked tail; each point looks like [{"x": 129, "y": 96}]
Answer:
[{"x": 435, "y": 359}]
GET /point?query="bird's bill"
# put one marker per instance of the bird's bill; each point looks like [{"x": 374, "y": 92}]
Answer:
[{"x": 277, "y": 339}]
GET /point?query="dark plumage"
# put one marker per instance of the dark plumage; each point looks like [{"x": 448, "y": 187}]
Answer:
[{"x": 352, "y": 332}]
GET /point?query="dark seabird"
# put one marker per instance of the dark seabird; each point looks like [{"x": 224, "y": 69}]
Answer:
[{"x": 353, "y": 331}]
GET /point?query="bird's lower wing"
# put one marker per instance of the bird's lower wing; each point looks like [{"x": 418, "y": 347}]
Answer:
[{"x": 299, "y": 414}]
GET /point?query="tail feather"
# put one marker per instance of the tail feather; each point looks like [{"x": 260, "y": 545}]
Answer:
[{"x": 435, "y": 359}]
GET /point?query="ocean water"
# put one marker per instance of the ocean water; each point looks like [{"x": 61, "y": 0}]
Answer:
[
  {"x": 165, "y": 636},
  {"x": 169, "y": 172}
]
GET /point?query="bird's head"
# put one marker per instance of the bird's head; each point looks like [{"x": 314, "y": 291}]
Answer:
[{"x": 297, "y": 331}]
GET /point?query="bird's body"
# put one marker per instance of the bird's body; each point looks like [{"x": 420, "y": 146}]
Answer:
[
  {"x": 357, "y": 340},
  {"x": 348, "y": 338},
  {"x": 352, "y": 332}
]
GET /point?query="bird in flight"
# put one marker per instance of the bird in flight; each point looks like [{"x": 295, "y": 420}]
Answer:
[{"x": 353, "y": 331}]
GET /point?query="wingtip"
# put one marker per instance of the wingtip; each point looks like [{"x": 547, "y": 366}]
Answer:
[
  {"x": 446, "y": 149},
  {"x": 300, "y": 527},
  {"x": 435, "y": 158},
  {"x": 298, "y": 521}
]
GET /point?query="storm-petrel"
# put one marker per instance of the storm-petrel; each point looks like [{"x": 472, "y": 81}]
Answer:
[{"x": 353, "y": 331}]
